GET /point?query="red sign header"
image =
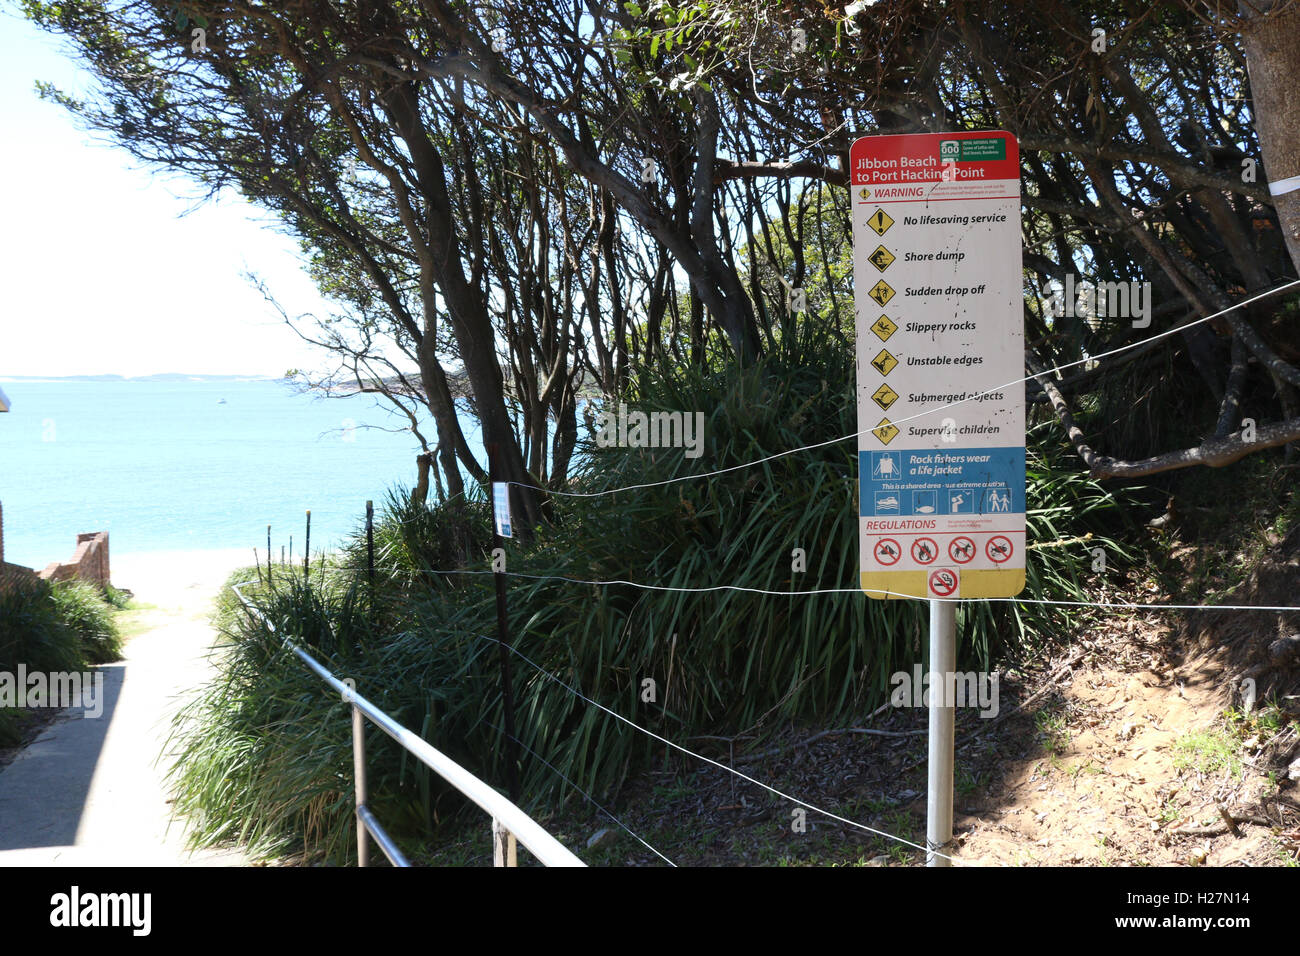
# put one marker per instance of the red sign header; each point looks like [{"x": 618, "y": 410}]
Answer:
[{"x": 914, "y": 159}]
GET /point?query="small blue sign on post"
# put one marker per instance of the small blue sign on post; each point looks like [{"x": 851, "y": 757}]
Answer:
[{"x": 501, "y": 508}]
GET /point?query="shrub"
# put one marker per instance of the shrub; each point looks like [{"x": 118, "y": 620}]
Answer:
[
  {"x": 82, "y": 607},
  {"x": 33, "y": 631},
  {"x": 59, "y": 628},
  {"x": 725, "y": 662},
  {"x": 264, "y": 756}
]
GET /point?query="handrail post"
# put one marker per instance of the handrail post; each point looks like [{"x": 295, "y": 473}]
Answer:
[
  {"x": 503, "y": 845},
  {"x": 507, "y": 818},
  {"x": 359, "y": 772}
]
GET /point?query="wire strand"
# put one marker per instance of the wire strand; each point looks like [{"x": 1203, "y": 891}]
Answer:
[
  {"x": 1119, "y": 605},
  {"x": 921, "y": 414},
  {"x": 709, "y": 760},
  {"x": 590, "y": 798}
]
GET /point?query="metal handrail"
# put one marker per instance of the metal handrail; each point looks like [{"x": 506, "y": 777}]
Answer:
[{"x": 508, "y": 821}]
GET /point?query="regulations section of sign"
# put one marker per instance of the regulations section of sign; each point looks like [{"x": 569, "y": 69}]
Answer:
[{"x": 940, "y": 333}]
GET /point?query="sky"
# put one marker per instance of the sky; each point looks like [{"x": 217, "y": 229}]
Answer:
[{"x": 101, "y": 272}]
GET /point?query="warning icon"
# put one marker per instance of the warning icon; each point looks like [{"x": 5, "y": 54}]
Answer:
[
  {"x": 886, "y": 431},
  {"x": 884, "y": 362},
  {"x": 865, "y": 193},
  {"x": 880, "y": 221},
  {"x": 884, "y": 327},
  {"x": 881, "y": 292},
  {"x": 884, "y": 396},
  {"x": 882, "y": 258}
]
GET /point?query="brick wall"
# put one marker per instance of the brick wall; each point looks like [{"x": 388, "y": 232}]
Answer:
[
  {"x": 12, "y": 575},
  {"x": 89, "y": 562}
]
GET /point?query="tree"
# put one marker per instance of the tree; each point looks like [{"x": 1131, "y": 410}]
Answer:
[{"x": 520, "y": 186}]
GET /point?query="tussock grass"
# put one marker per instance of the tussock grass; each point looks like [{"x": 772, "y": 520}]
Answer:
[
  {"x": 34, "y": 632},
  {"x": 63, "y": 627},
  {"x": 66, "y": 627},
  {"x": 266, "y": 755},
  {"x": 84, "y": 609}
]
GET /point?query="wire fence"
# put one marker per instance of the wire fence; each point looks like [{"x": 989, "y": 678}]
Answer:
[{"x": 791, "y": 593}]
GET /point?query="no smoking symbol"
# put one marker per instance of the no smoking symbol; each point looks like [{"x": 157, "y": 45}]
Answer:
[
  {"x": 924, "y": 550},
  {"x": 943, "y": 582},
  {"x": 999, "y": 549},
  {"x": 961, "y": 550},
  {"x": 887, "y": 551}
]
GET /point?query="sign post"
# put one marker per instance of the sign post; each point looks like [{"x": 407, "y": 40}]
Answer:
[
  {"x": 941, "y": 446},
  {"x": 500, "y": 531}
]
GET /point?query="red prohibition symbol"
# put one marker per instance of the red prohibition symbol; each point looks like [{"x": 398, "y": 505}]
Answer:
[
  {"x": 924, "y": 550},
  {"x": 943, "y": 582},
  {"x": 961, "y": 549},
  {"x": 887, "y": 551},
  {"x": 998, "y": 549}
]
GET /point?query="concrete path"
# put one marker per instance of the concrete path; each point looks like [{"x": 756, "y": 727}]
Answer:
[{"x": 90, "y": 791}]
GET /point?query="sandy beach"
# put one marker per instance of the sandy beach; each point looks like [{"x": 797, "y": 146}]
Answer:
[{"x": 183, "y": 581}]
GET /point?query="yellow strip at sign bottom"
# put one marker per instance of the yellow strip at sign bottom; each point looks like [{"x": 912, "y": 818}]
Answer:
[{"x": 911, "y": 585}]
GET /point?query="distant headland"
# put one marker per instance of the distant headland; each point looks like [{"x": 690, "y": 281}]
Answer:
[{"x": 157, "y": 377}]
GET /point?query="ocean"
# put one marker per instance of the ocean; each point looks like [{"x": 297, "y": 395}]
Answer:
[{"x": 192, "y": 465}]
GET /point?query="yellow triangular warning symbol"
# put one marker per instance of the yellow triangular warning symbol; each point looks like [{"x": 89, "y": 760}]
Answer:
[
  {"x": 882, "y": 258},
  {"x": 884, "y": 362},
  {"x": 881, "y": 292},
  {"x": 886, "y": 431},
  {"x": 880, "y": 221}
]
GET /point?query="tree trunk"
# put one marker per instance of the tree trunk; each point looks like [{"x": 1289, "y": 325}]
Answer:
[
  {"x": 1271, "y": 37},
  {"x": 421, "y": 493}
]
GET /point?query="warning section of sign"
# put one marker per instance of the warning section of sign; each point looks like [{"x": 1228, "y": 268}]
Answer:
[
  {"x": 880, "y": 221},
  {"x": 881, "y": 292},
  {"x": 940, "y": 336},
  {"x": 884, "y": 396},
  {"x": 884, "y": 327}
]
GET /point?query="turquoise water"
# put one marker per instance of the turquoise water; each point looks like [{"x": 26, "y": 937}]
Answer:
[{"x": 166, "y": 466}]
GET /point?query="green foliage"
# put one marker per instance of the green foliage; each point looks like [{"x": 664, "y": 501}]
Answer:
[
  {"x": 32, "y": 631},
  {"x": 10, "y": 726},
  {"x": 1070, "y": 515},
  {"x": 266, "y": 754},
  {"x": 119, "y": 600},
  {"x": 411, "y": 539},
  {"x": 82, "y": 608},
  {"x": 59, "y": 628},
  {"x": 1206, "y": 751}
]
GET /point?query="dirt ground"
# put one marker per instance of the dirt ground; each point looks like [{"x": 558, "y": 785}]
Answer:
[{"x": 1136, "y": 744}]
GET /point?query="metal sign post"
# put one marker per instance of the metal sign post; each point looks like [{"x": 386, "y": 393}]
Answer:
[
  {"x": 501, "y": 530},
  {"x": 943, "y": 718},
  {"x": 941, "y": 449}
]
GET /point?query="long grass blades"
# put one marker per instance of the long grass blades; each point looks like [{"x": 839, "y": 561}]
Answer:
[{"x": 681, "y": 663}]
